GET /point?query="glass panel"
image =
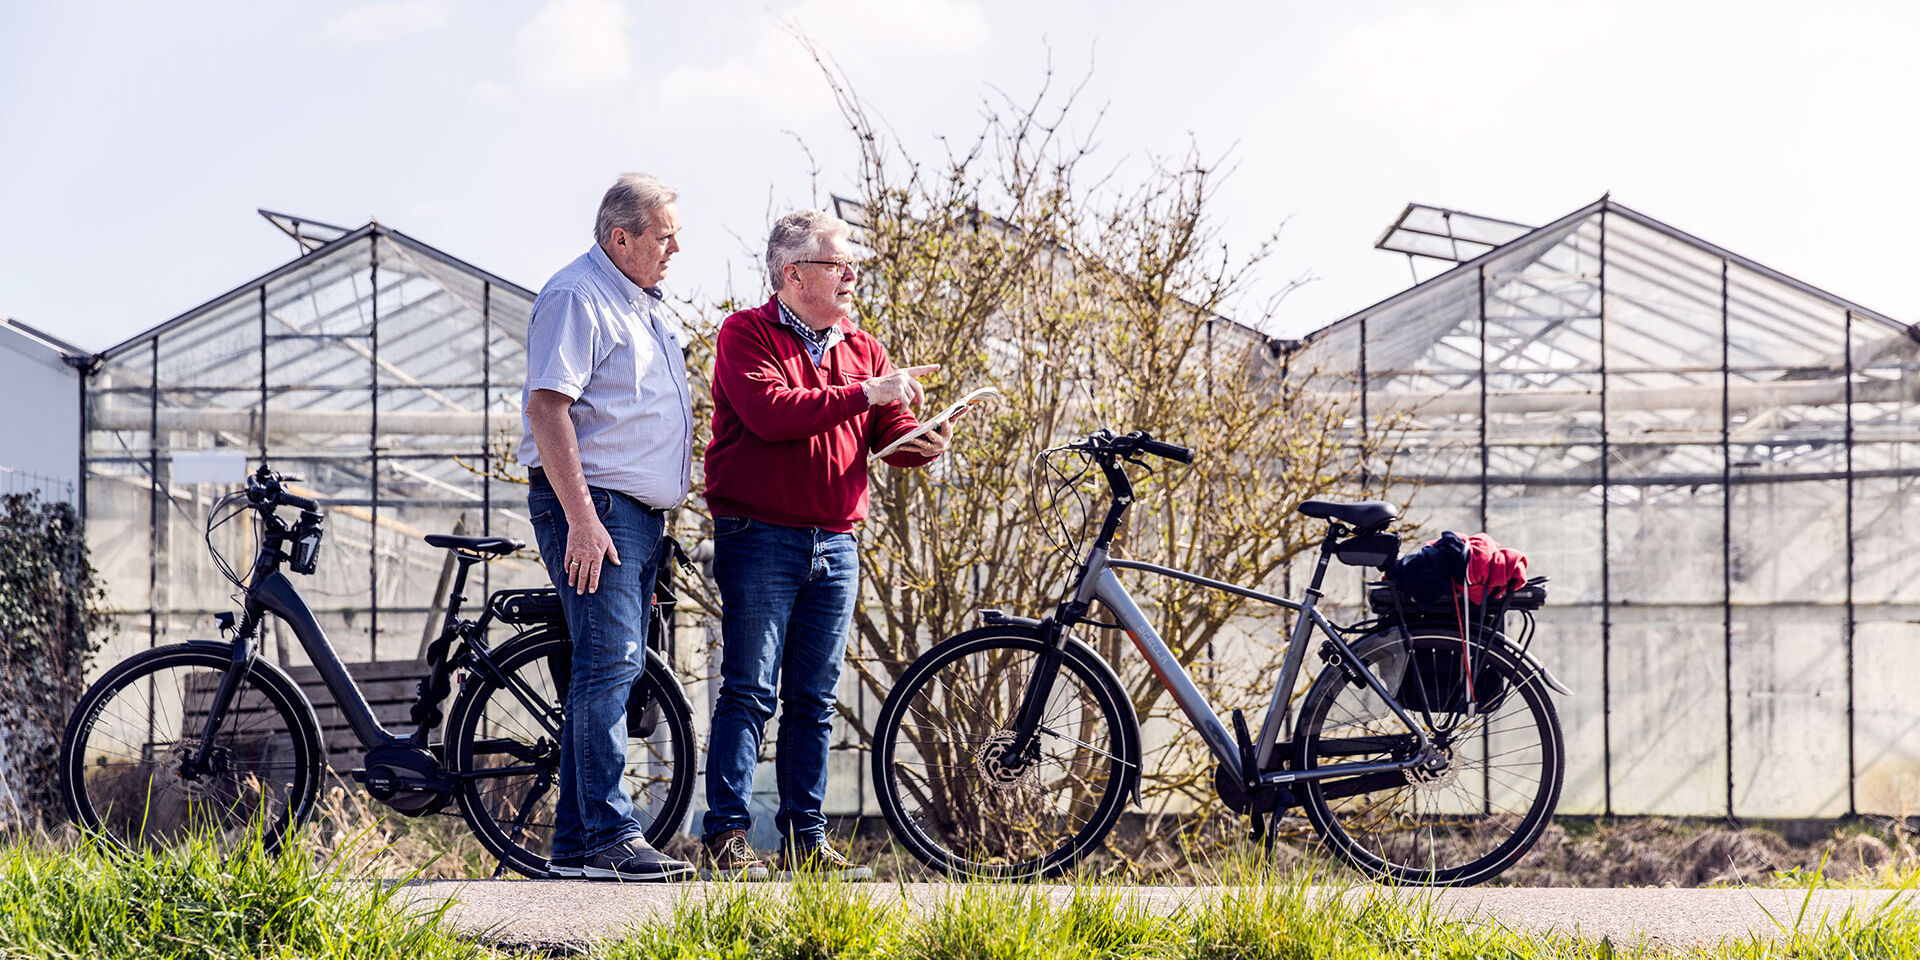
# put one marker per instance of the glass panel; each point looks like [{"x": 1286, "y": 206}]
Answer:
[
  {"x": 120, "y": 405},
  {"x": 1886, "y": 567},
  {"x": 1567, "y": 642},
  {"x": 1789, "y": 542},
  {"x": 340, "y": 590},
  {"x": 1668, "y": 710},
  {"x": 1558, "y": 528},
  {"x": 1665, "y": 545},
  {"x": 1789, "y": 711},
  {"x": 1775, "y": 327},
  {"x": 1886, "y": 753},
  {"x": 419, "y": 497},
  {"x": 219, "y": 349},
  {"x": 446, "y": 420},
  {"x": 187, "y": 582},
  {"x": 120, "y": 531},
  {"x": 508, "y": 518}
]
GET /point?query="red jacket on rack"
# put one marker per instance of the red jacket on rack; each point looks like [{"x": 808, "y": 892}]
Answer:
[{"x": 1492, "y": 568}]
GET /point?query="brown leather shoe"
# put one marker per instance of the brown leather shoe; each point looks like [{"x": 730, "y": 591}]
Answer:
[
  {"x": 730, "y": 857},
  {"x": 821, "y": 860}
]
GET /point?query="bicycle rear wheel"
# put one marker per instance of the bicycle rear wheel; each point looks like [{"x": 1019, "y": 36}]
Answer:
[
  {"x": 1495, "y": 776},
  {"x": 506, "y": 740},
  {"x": 942, "y": 779},
  {"x": 123, "y": 759}
]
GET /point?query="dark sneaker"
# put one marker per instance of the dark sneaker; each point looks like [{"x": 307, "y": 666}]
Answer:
[
  {"x": 635, "y": 862},
  {"x": 730, "y": 857},
  {"x": 565, "y": 868},
  {"x": 821, "y": 860}
]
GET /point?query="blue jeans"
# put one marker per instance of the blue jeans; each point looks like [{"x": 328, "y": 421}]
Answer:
[
  {"x": 786, "y": 603},
  {"x": 609, "y": 628}
]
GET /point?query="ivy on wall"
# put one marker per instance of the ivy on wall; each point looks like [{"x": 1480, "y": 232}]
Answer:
[{"x": 49, "y": 627}]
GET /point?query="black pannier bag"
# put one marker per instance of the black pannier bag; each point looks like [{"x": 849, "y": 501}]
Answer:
[{"x": 1436, "y": 678}]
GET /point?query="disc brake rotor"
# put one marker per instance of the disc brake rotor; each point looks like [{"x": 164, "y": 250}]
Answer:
[
  {"x": 990, "y": 761},
  {"x": 1438, "y": 771}
]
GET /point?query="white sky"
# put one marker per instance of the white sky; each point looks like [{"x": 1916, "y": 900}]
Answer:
[{"x": 137, "y": 138}]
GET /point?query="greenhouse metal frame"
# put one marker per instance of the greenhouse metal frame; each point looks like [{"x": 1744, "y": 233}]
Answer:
[{"x": 1712, "y": 461}]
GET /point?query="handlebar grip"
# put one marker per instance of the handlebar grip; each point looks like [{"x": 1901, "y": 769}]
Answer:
[
  {"x": 293, "y": 501},
  {"x": 1171, "y": 451}
]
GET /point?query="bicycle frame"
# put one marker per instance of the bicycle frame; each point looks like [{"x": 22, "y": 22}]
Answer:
[
  {"x": 275, "y": 594},
  {"x": 1097, "y": 581},
  {"x": 1179, "y": 684}
]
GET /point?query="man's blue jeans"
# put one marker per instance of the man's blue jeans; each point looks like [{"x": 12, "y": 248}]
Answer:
[
  {"x": 609, "y": 628},
  {"x": 786, "y": 603}
]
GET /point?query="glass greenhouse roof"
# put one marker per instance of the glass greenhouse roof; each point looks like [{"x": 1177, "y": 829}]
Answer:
[{"x": 384, "y": 372}]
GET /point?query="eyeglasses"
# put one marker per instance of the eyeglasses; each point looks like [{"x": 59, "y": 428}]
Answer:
[{"x": 845, "y": 268}]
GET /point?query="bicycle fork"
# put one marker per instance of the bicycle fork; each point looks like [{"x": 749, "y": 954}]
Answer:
[{"x": 243, "y": 656}]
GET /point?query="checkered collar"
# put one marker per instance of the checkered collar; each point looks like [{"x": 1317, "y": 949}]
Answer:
[{"x": 817, "y": 342}]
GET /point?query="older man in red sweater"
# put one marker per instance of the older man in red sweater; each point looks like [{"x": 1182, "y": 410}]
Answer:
[{"x": 800, "y": 396}]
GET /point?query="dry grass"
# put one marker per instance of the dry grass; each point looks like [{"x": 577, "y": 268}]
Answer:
[
  {"x": 384, "y": 843},
  {"x": 1659, "y": 852}
]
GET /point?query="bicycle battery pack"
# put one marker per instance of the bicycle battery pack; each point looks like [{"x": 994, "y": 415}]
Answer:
[{"x": 538, "y": 605}]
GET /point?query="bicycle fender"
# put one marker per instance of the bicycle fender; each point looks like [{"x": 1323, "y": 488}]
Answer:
[{"x": 1531, "y": 662}]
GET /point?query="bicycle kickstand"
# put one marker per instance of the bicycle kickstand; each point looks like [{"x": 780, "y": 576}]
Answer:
[{"x": 539, "y": 789}]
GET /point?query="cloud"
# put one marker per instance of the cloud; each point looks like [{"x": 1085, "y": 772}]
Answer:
[
  {"x": 388, "y": 20},
  {"x": 574, "y": 45},
  {"x": 779, "y": 74}
]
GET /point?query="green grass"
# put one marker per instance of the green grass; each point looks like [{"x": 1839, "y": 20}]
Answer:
[
  {"x": 1283, "y": 919},
  {"x": 67, "y": 900},
  {"x": 79, "y": 900}
]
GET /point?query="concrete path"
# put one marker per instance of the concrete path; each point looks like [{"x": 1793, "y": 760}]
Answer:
[{"x": 565, "y": 915}]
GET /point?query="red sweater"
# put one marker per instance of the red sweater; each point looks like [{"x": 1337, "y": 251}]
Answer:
[{"x": 791, "y": 437}]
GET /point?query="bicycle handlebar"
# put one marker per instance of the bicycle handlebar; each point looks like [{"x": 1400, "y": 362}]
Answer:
[
  {"x": 1107, "y": 443},
  {"x": 1170, "y": 451},
  {"x": 301, "y": 502},
  {"x": 265, "y": 489}
]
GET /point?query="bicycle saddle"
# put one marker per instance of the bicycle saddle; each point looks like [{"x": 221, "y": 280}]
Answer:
[
  {"x": 1365, "y": 516},
  {"x": 498, "y": 545}
]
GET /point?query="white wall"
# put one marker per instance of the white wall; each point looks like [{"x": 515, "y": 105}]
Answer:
[{"x": 39, "y": 415}]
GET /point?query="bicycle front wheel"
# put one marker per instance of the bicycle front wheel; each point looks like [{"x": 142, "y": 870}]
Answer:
[
  {"x": 127, "y": 767},
  {"x": 953, "y": 797},
  {"x": 1493, "y": 775},
  {"x": 504, "y": 743}
]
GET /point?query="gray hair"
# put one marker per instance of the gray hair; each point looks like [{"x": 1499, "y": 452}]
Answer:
[
  {"x": 797, "y": 236},
  {"x": 629, "y": 205}
]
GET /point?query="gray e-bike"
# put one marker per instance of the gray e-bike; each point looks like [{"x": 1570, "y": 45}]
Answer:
[{"x": 1423, "y": 752}]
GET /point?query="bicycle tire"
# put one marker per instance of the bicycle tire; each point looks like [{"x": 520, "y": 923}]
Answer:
[
  {"x": 118, "y": 779},
  {"x": 948, "y": 823},
  {"x": 542, "y": 659},
  {"x": 1452, "y": 826}
]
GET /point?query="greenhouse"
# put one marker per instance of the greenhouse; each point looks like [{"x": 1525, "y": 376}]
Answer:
[
  {"x": 382, "y": 372},
  {"x": 1713, "y": 462}
]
